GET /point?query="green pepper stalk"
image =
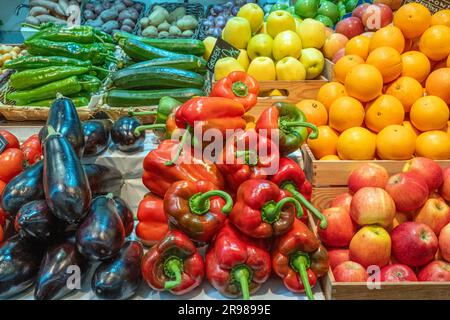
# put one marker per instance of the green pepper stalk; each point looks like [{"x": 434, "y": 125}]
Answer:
[
  {"x": 199, "y": 203},
  {"x": 173, "y": 267},
  {"x": 242, "y": 275},
  {"x": 313, "y": 135},
  {"x": 186, "y": 134},
  {"x": 300, "y": 261},
  {"x": 271, "y": 210}
]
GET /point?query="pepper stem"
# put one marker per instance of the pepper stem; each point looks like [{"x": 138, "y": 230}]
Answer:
[
  {"x": 110, "y": 195},
  {"x": 313, "y": 135},
  {"x": 138, "y": 130},
  {"x": 180, "y": 147},
  {"x": 297, "y": 195},
  {"x": 242, "y": 275},
  {"x": 173, "y": 267},
  {"x": 99, "y": 69},
  {"x": 250, "y": 157},
  {"x": 240, "y": 89},
  {"x": 199, "y": 203},
  {"x": 300, "y": 262},
  {"x": 50, "y": 131},
  {"x": 271, "y": 210}
]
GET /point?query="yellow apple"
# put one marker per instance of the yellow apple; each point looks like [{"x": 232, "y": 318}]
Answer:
[
  {"x": 262, "y": 69},
  {"x": 237, "y": 32},
  {"x": 225, "y": 66},
  {"x": 260, "y": 46},
  {"x": 290, "y": 68},
  {"x": 209, "y": 43},
  {"x": 243, "y": 59},
  {"x": 312, "y": 33},
  {"x": 279, "y": 21},
  {"x": 254, "y": 14},
  {"x": 313, "y": 61},
  {"x": 286, "y": 44}
]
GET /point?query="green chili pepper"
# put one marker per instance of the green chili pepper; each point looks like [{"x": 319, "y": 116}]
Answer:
[
  {"x": 81, "y": 101},
  {"x": 65, "y": 87},
  {"x": 90, "y": 83},
  {"x": 37, "y": 77},
  {"x": 36, "y": 62}
]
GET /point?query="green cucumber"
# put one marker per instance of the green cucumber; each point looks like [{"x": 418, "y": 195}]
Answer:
[
  {"x": 184, "y": 46},
  {"x": 156, "y": 77},
  {"x": 187, "y": 62},
  {"x": 138, "y": 98},
  {"x": 140, "y": 51}
]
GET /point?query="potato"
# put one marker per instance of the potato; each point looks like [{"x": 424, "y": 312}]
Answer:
[
  {"x": 156, "y": 18},
  {"x": 187, "y": 23},
  {"x": 174, "y": 31},
  {"x": 126, "y": 28},
  {"x": 110, "y": 26},
  {"x": 177, "y": 14},
  {"x": 120, "y": 7},
  {"x": 144, "y": 22},
  {"x": 16, "y": 49},
  {"x": 128, "y": 3},
  {"x": 110, "y": 14},
  {"x": 187, "y": 33},
  {"x": 164, "y": 26},
  {"x": 129, "y": 22},
  {"x": 162, "y": 11},
  {"x": 150, "y": 32},
  {"x": 89, "y": 15},
  {"x": 138, "y": 6},
  {"x": 163, "y": 34}
]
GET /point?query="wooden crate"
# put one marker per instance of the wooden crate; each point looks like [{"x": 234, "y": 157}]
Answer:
[
  {"x": 24, "y": 113},
  {"x": 335, "y": 173},
  {"x": 333, "y": 290}
]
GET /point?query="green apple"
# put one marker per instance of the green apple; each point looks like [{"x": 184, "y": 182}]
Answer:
[
  {"x": 307, "y": 8},
  {"x": 325, "y": 20},
  {"x": 330, "y": 10},
  {"x": 312, "y": 33},
  {"x": 260, "y": 46},
  {"x": 313, "y": 61}
]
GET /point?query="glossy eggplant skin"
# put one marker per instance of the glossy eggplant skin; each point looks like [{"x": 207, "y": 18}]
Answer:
[
  {"x": 66, "y": 186},
  {"x": 36, "y": 222},
  {"x": 19, "y": 265},
  {"x": 122, "y": 134},
  {"x": 23, "y": 188},
  {"x": 96, "y": 136},
  {"x": 103, "y": 179},
  {"x": 63, "y": 117},
  {"x": 101, "y": 235},
  {"x": 119, "y": 278},
  {"x": 125, "y": 214},
  {"x": 57, "y": 268}
]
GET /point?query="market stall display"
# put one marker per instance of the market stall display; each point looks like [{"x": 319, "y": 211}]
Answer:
[{"x": 62, "y": 12}]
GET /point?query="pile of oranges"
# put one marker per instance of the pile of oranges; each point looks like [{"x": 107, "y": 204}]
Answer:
[{"x": 391, "y": 93}]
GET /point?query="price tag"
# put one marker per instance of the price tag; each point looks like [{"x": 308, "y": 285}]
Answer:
[
  {"x": 3, "y": 143},
  {"x": 221, "y": 50}
]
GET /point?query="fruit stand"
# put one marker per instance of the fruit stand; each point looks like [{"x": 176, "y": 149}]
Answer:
[{"x": 215, "y": 150}]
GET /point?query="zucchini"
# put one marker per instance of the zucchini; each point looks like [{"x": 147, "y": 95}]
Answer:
[
  {"x": 187, "y": 62},
  {"x": 138, "y": 98},
  {"x": 140, "y": 51},
  {"x": 156, "y": 77},
  {"x": 184, "y": 46}
]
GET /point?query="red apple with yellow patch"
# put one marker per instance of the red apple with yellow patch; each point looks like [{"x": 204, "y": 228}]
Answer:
[
  {"x": 350, "y": 271},
  {"x": 367, "y": 175},
  {"x": 409, "y": 191},
  {"x": 438, "y": 271},
  {"x": 444, "y": 242},
  {"x": 340, "y": 230},
  {"x": 343, "y": 200},
  {"x": 371, "y": 245},
  {"x": 444, "y": 190},
  {"x": 435, "y": 214},
  {"x": 428, "y": 169},
  {"x": 397, "y": 273},
  {"x": 337, "y": 256}
]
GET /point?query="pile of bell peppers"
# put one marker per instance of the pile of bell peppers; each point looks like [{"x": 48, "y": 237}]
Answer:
[{"x": 252, "y": 220}]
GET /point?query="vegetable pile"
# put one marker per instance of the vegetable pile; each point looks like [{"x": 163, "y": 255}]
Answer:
[
  {"x": 60, "y": 12},
  {"x": 10, "y": 53}
]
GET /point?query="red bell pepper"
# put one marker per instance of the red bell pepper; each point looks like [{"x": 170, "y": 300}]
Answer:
[
  {"x": 291, "y": 177},
  {"x": 241, "y": 161},
  {"x": 238, "y": 86},
  {"x": 152, "y": 225},
  {"x": 197, "y": 209},
  {"x": 237, "y": 264},
  {"x": 158, "y": 177},
  {"x": 259, "y": 212},
  {"x": 299, "y": 259},
  {"x": 173, "y": 264},
  {"x": 32, "y": 149}
]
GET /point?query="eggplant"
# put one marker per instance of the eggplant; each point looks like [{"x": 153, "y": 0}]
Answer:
[
  {"x": 101, "y": 235},
  {"x": 19, "y": 265},
  {"x": 66, "y": 186},
  {"x": 125, "y": 214},
  {"x": 103, "y": 179},
  {"x": 96, "y": 136},
  {"x": 124, "y": 137},
  {"x": 23, "y": 188},
  {"x": 63, "y": 117},
  {"x": 120, "y": 277},
  {"x": 36, "y": 221},
  {"x": 57, "y": 268}
]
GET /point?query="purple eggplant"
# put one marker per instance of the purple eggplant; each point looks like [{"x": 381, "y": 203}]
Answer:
[
  {"x": 96, "y": 136},
  {"x": 125, "y": 214},
  {"x": 124, "y": 137},
  {"x": 103, "y": 179}
]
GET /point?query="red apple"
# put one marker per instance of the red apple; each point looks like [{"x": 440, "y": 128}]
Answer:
[
  {"x": 371, "y": 245},
  {"x": 435, "y": 214},
  {"x": 414, "y": 244},
  {"x": 337, "y": 256},
  {"x": 372, "y": 206},
  {"x": 358, "y": 12},
  {"x": 377, "y": 16},
  {"x": 444, "y": 242},
  {"x": 428, "y": 169},
  {"x": 350, "y": 271},
  {"x": 435, "y": 271},
  {"x": 340, "y": 230},
  {"x": 408, "y": 190},
  {"x": 444, "y": 190},
  {"x": 333, "y": 44},
  {"x": 343, "y": 200},
  {"x": 350, "y": 27},
  {"x": 397, "y": 273},
  {"x": 339, "y": 54},
  {"x": 367, "y": 175}
]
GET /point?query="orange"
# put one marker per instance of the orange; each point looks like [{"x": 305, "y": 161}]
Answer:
[
  {"x": 416, "y": 65},
  {"x": 331, "y": 157},
  {"x": 438, "y": 84},
  {"x": 330, "y": 92},
  {"x": 384, "y": 111},
  {"x": 434, "y": 145},
  {"x": 435, "y": 42},
  {"x": 407, "y": 90},
  {"x": 429, "y": 113},
  {"x": 448, "y": 61},
  {"x": 408, "y": 124},
  {"x": 358, "y": 45},
  {"x": 412, "y": 19},
  {"x": 388, "y": 36},
  {"x": 364, "y": 82},
  {"x": 325, "y": 144},
  {"x": 314, "y": 111},
  {"x": 388, "y": 61},
  {"x": 396, "y": 142},
  {"x": 346, "y": 112},
  {"x": 441, "y": 17},
  {"x": 344, "y": 65},
  {"x": 356, "y": 144}
]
